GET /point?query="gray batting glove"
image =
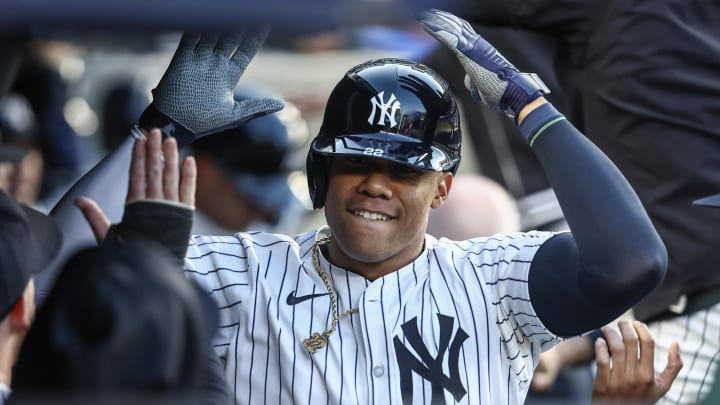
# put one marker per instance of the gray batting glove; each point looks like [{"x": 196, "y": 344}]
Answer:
[
  {"x": 490, "y": 77},
  {"x": 195, "y": 95}
]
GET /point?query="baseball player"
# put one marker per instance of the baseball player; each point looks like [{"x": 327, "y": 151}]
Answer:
[{"x": 371, "y": 309}]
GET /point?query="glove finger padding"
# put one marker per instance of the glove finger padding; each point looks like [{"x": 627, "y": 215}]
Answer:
[
  {"x": 228, "y": 44},
  {"x": 249, "y": 45},
  {"x": 249, "y": 109},
  {"x": 195, "y": 95},
  {"x": 492, "y": 78},
  {"x": 455, "y": 33}
]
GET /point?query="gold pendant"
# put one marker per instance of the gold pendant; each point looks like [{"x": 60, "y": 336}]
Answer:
[{"x": 314, "y": 342}]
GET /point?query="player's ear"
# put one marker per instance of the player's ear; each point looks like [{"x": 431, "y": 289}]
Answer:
[{"x": 443, "y": 190}]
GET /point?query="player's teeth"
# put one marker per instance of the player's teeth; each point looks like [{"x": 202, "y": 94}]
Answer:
[{"x": 372, "y": 215}]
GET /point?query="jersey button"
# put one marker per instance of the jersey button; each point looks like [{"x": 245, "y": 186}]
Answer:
[{"x": 378, "y": 371}]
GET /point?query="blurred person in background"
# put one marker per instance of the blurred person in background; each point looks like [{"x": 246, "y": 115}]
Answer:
[
  {"x": 121, "y": 105},
  {"x": 29, "y": 240},
  {"x": 42, "y": 81},
  {"x": 479, "y": 206},
  {"x": 252, "y": 177},
  {"x": 22, "y": 177}
]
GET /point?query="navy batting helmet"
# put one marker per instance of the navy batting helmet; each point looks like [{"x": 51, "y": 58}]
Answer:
[{"x": 391, "y": 109}]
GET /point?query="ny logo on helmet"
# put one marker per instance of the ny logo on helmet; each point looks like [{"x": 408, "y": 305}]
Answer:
[{"x": 387, "y": 110}]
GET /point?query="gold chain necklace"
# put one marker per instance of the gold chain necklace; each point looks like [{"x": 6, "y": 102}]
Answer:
[{"x": 319, "y": 340}]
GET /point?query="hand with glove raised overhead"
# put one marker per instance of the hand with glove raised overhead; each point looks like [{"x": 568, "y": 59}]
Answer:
[
  {"x": 490, "y": 77},
  {"x": 195, "y": 95}
]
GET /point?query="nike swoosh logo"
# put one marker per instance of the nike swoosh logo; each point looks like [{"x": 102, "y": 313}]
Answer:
[{"x": 292, "y": 299}]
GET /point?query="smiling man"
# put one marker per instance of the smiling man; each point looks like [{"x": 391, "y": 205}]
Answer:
[{"x": 371, "y": 309}]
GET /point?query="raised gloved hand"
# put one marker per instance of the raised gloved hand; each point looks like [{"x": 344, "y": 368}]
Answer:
[
  {"x": 490, "y": 77},
  {"x": 195, "y": 95}
]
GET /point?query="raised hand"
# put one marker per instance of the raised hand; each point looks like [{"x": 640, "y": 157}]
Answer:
[
  {"x": 194, "y": 98},
  {"x": 154, "y": 176},
  {"x": 490, "y": 77},
  {"x": 631, "y": 377}
]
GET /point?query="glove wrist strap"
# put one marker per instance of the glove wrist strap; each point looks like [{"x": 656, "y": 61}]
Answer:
[
  {"x": 522, "y": 89},
  {"x": 154, "y": 118}
]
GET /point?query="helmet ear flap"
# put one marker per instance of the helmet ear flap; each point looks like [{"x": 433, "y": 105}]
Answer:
[{"x": 317, "y": 177}]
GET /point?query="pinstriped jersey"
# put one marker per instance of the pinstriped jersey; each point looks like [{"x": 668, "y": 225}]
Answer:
[{"x": 455, "y": 325}]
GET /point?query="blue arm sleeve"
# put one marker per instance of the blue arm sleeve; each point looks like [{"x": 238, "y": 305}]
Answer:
[{"x": 613, "y": 256}]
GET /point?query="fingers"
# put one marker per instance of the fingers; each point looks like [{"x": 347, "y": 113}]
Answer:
[
  {"x": 187, "y": 184},
  {"x": 602, "y": 361},
  {"x": 672, "y": 369},
  {"x": 94, "y": 216},
  {"x": 631, "y": 376},
  {"x": 632, "y": 354},
  {"x": 136, "y": 186},
  {"x": 170, "y": 173},
  {"x": 248, "y": 109},
  {"x": 250, "y": 43},
  {"x": 439, "y": 29},
  {"x": 449, "y": 29},
  {"x": 454, "y": 23},
  {"x": 443, "y": 21},
  {"x": 207, "y": 44},
  {"x": 189, "y": 41},
  {"x": 186, "y": 47},
  {"x": 228, "y": 44},
  {"x": 646, "y": 363},
  {"x": 154, "y": 162},
  {"x": 617, "y": 352},
  {"x": 155, "y": 174}
]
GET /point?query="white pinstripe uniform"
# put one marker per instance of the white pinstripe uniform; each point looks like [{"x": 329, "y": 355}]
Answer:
[
  {"x": 699, "y": 337},
  {"x": 456, "y": 322}
]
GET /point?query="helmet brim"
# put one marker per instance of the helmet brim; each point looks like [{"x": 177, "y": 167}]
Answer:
[{"x": 396, "y": 148}]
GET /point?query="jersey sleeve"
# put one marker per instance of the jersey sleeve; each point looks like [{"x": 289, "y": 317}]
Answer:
[{"x": 504, "y": 263}]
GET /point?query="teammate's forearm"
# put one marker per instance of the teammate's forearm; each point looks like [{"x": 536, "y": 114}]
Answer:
[{"x": 575, "y": 351}]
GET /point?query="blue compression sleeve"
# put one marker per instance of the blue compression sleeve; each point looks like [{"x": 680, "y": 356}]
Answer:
[{"x": 613, "y": 256}]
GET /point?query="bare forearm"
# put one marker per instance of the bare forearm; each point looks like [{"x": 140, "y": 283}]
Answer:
[{"x": 574, "y": 351}]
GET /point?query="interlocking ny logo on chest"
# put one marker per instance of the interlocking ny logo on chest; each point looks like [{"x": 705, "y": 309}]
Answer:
[{"x": 383, "y": 110}]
